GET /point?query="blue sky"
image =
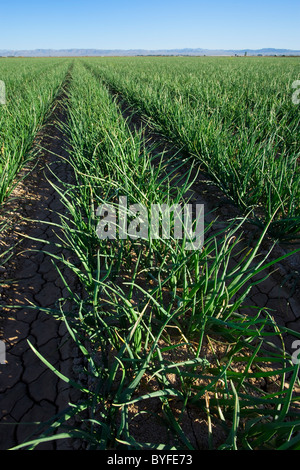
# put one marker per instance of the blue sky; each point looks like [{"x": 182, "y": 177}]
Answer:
[{"x": 164, "y": 24}]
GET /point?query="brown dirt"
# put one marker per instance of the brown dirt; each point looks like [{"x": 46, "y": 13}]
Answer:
[{"x": 30, "y": 392}]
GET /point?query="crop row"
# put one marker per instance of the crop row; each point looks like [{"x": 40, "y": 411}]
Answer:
[
  {"x": 30, "y": 89},
  {"x": 235, "y": 117},
  {"x": 163, "y": 330}
]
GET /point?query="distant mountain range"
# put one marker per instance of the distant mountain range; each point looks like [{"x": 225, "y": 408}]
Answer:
[{"x": 144, "y": 52}]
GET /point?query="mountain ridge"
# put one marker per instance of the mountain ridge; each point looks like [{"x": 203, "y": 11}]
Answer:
[{"x": 137, "y": 52}]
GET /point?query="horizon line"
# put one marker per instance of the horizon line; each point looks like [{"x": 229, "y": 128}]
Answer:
[{"x": 149, "y": 49}]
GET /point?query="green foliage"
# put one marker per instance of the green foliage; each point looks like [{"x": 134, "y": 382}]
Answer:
[
  {"x": 235, "y": 117},
  {"x": 163, "y": 325},
  {"x": 31, "y": 87},
  {"x": 155, "y": 323}
]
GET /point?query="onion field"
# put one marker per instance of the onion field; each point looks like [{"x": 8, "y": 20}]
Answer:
[
  {"x": 175, "y": 355},
  {"x": 31, "y": 87}
]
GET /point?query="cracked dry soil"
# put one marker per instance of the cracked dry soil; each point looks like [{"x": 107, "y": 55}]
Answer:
[{"x": 30, "y": 392}]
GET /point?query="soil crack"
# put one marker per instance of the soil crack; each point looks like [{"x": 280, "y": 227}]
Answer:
[{"x": 30, "y": 392}]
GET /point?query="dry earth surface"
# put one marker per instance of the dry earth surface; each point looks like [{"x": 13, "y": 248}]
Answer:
[{"x": 30, "y": 392}]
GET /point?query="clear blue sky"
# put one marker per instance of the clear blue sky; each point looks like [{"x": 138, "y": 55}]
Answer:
[{"x": 155, "y": 24}]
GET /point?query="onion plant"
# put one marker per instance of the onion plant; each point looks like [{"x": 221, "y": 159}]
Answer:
[
  {"x": 234, "y": 116},
  {"x": 165, "y": 332},
  {"x": 31, "y": 86}
]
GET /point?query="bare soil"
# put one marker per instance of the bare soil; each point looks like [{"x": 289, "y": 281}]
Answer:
[{"x": 30, "y": 392}]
